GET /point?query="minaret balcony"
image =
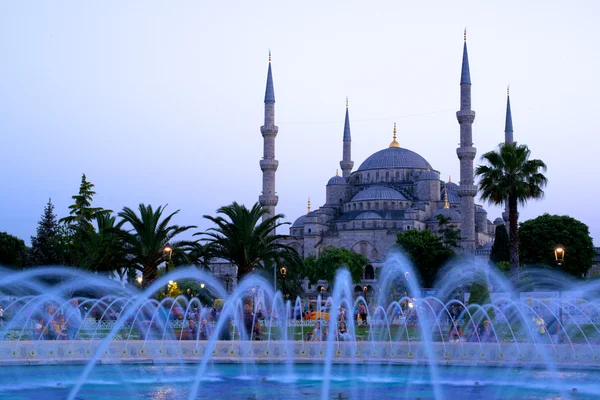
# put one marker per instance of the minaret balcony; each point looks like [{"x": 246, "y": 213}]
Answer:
[
  {"x": 268, "y": 130},
  {"x": 467, "y": 190},
  {"x": 466, "y": 153},
  {"x": 268, "y": 200},
  {"x": 268, "y": 164},
  {"x": 465, "y": 116}
]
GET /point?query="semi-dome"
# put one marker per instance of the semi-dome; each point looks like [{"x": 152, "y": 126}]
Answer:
[
  {"x": 337, "y": 180},
  {"x": 368, "y": 215},
  {"x": 429, "y": 176},
  {"x": 481, "y": 210},
  {"x": 448, "y": 213},
  {"x": 451, "y": 186},
  {"x": 394, "y": 157},
  {"x": 378, "y": 193}
]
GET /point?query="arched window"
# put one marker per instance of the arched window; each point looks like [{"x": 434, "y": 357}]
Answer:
[
  {"x": 368, "y": 177},
  {"x": 369, "y": 272},
  {"x": 397, "y": 175},
  {"x": 354, "y": 206},
  {"x": 387, "y": 176},
  {"x": 377, "y": 176},
  {"x": 385, "y": 205},
  {"x": 361, "y": 205},
  {"x": 368, "y": 205},
  {"x": 376, "y": 205},
  {"x": 363, "y": 224},
  {"x": 344, "y": 226}
]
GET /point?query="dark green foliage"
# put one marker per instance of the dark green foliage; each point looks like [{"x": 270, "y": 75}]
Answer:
[
  {"x": 511, "y": 177},
  {"x": 332, "y": 259},
  {"x": 450, "y": 234},
  {"x": 539, "y": 237},
  {"x": 13, "y": 252},
  {"x": 47, "y": 246},
  {"x": 246, "y": 242},
  {"x": 82, "y": 213},
  {"x": 146, "y": 241},
  {"x": 501, "y": 247},
  {"x": 427, "y": 252}
]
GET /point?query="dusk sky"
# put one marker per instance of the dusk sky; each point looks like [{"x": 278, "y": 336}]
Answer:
[{"x": 161, "y": 102}]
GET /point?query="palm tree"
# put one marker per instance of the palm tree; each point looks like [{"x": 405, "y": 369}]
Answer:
[
  {"x": 145, "y": 243},
  {"x": 511, "y": 176},
  {"x": 104, "y": 249},
  {"x": 246, "y": 242}
]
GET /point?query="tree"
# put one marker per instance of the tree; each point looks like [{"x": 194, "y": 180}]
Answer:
[
  {"x": 501, "y": 247},
  {"x": 247, "y": 243},
  {"x": 333, "y": 258},
  {"x": 449, "y": 233},
  {"x": 82, "y": 212},
  {"x": 150, "y": 234},
  {"x": 427, "y": 252},
  {"x": 510, "y": 176},
  {"x": 79, "y": 223},
  {"x": 13, "y": 252},
  {"x": 105, "y": 250},
  {"x": 47, "y": 244},
  {"x": 539, "y": 237}
]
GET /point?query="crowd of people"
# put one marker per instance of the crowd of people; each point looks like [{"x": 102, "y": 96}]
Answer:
[{"x": 62, "y": 324}]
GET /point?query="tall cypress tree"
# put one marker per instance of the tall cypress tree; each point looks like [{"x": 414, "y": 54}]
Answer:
[
  {"x": 82, "y": 213},
  {"x": 501, "y": 247},
  {"x": 45, "y": 245}
]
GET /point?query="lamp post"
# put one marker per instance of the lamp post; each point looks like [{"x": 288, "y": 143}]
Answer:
[
  {"x": 167, "y": 251},
  {"x": 559, "y": 256},
  {"x": 227, "y": 279},
  {"x": 283, "y": 272}
]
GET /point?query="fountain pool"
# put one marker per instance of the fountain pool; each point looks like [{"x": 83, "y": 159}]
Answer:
[{"x": 266, "y": 381}]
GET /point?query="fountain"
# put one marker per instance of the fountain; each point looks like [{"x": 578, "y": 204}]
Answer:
[{"x": 540, "y": 340}]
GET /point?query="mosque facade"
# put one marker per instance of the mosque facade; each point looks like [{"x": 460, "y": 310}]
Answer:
[{"x": 393, "y": 190}]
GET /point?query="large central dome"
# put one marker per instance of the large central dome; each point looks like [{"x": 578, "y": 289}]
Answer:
[{"x": 394, "y": 157}]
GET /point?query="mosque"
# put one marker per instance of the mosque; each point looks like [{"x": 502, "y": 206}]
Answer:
[{"x": 393, "y": 190}]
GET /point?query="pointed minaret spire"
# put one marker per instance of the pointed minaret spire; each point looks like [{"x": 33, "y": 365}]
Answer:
[
  {"x": 465, "y": 75},
  {"x": 508, "y": 127},
  {"x": 466, "y": 154},
  {"x": 268, "y": 199},
  {"x": 346, "y": 164},
  {"x": 308, "y": 208},
  {"x": 269, "y": 92}
]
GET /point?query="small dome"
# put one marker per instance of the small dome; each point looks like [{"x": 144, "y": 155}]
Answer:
[
  {"x": 498, "y": 221},
  {"x": 378, "y": 193},
  {"x": 368, "y": 215},
  {"x": 394, "y": 157},
  {"x": 337, "y": 180},
  {"x": 481, "y": 210},
  {"x": 299, "y": 222},
  {"x": 429, "y": 176},
  {"x": 448, "y": 213},
  {"x": 453, "y": 197},
  {"x": 451, "y": 186}
]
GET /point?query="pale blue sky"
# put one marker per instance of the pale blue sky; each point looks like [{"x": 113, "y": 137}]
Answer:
[{"x": 161, "y": 102}]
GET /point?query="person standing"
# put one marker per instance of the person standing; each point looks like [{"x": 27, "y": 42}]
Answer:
[{"x": 74, "y": 319}]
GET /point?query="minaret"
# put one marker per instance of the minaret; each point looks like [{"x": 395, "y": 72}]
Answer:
[
  {"x": 346, "y": 164},
  {"x": 466, "y": 154},
  {"x": 508, "y": 138},
  {"x": 268, "y": 199}
]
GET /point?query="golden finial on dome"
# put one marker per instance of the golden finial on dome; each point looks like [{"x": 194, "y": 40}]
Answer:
[
  {"x": 446, "y": 202},
  {"x": 465, "y": 34},
  {"x": 449, "y": 178},
  {"x": 336, "y": 172},
  {"x": 508, "y": 90},
  {"x": 308, "y": 205},
  {"x": 269, "y": 56},
  {"x": 346, "y": 101},
  {"x": 394, "y": 143}
]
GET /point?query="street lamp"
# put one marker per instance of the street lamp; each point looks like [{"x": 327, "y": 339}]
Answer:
[
  {"x": 139, "y": 280},
  {"x": 365, "y": 288},
  {"x": 283, "y": 272},
  {"x": 227, "y": 279},
  {"x": 559, "y": 256},
  {"x": 168, "y": 251},
  {"x": 202, "y": 286}
]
